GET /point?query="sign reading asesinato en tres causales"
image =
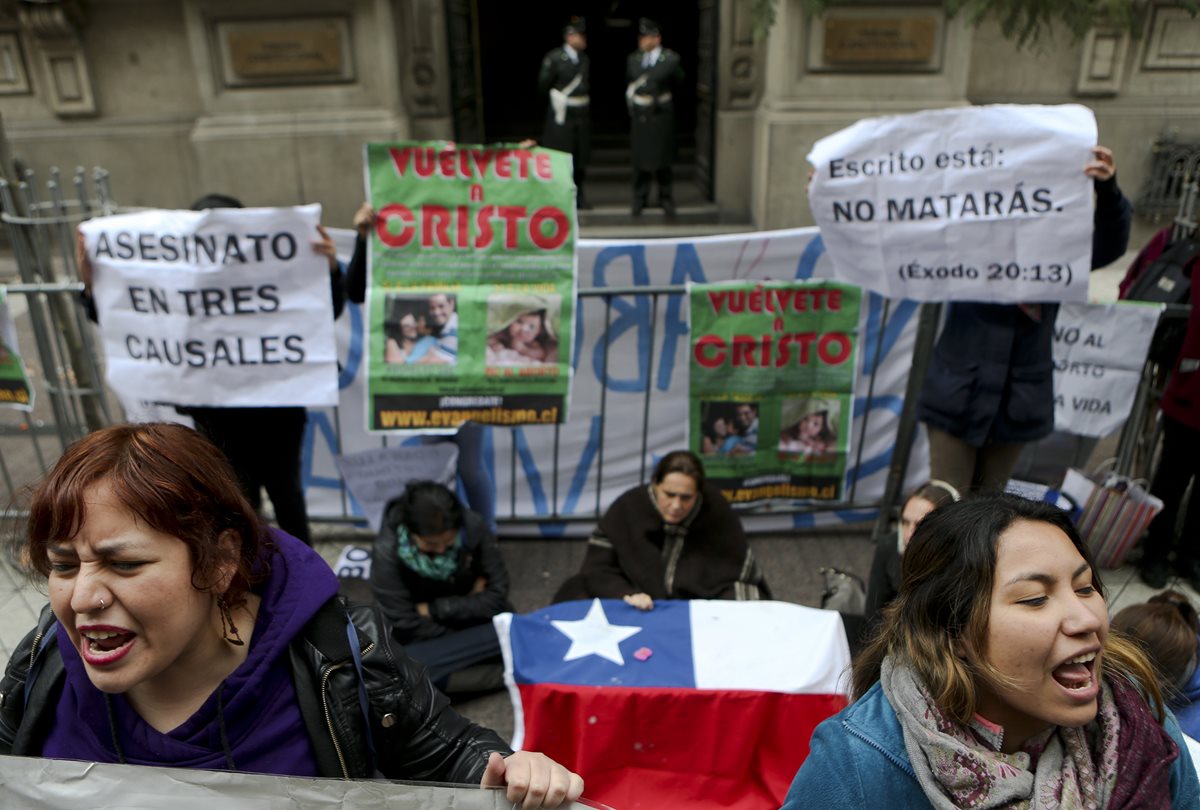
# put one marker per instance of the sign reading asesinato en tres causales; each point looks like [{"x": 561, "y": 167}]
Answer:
[
  {"x": 974, "y": 203},
  {"x": 223, "y": 307},
  {"x": 471, "y": 298}
]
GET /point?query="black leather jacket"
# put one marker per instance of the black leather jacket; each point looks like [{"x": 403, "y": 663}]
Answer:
[{"x": 416, "y": 735}]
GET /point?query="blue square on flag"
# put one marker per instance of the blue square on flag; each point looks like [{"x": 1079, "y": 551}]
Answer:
[{"x": 593, "y": 644}]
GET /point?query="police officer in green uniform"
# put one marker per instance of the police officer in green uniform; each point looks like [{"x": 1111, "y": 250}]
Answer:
[
  {"x": 564, "y": 78},
  {"x": 653, "y": 73}
]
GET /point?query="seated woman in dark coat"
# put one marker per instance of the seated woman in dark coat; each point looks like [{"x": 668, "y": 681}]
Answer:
[
  {"x": 438, "y": 576},
  {"x": 677, "y": 538}
]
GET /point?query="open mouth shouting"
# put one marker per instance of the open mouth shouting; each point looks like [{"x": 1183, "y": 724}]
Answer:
[
  {"x": 101, "y": 645},
  {"x": 1077, "y": 676}
]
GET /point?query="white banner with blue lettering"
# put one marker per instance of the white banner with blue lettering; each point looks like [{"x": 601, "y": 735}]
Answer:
[{"x": 640, "y": 380}]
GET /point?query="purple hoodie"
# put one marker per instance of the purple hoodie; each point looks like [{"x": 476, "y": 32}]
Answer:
[{"x": 251, "y": 723}]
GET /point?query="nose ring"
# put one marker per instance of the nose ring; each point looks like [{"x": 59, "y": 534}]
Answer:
[{"x": 102, "y": 604}]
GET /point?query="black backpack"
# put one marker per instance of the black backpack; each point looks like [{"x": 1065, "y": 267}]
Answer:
[{"x": 1168, "y": 280}]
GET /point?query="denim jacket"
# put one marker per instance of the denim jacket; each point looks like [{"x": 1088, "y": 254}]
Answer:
[{"x": 857, "y": 759}]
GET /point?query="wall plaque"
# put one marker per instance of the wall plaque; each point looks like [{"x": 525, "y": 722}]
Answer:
[
  {"x": 877, "y": 38},
  {"x": 880, "y": 41},
  {"x": 285, "y": 51}
]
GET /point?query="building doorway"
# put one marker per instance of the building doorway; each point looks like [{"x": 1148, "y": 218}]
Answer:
[{"x": 497, "y": 48}]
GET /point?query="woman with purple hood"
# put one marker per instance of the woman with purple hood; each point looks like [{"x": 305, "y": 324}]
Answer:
[{"x": 181, "y": 632}]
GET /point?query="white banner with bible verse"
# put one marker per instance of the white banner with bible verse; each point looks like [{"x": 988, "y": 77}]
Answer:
[
  {"x": 225, "y": 307},
  {"x": 973, "y": 203}
]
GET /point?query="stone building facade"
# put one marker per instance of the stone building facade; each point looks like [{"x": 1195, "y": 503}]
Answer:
[{"x": 272, "y": 101}]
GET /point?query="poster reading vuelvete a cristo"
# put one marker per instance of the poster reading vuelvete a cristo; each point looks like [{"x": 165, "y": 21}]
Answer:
[{"x": 471, "y": 299}]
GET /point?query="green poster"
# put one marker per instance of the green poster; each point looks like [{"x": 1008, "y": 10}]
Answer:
[
  {"x": 772, "y": 387},
  {"x": 471, "y": 303},
  {"x": 15, "y": 390}
]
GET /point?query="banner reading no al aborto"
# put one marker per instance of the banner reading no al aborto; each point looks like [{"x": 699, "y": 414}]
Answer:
[
  {"x": 973, "y": 203},
  {"x": 225, "y": 307},
  {"x": 772, "y": 387},
  {"x": 471, "y": 300}
]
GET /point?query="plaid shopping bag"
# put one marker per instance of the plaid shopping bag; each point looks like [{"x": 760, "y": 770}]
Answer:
[{"x": 1116, "y": 512}]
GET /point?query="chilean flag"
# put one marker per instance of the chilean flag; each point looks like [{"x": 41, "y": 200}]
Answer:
[{"x": 700, "y": 704}]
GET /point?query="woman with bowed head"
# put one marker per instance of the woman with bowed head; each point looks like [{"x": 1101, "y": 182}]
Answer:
[
  {"x": 181, "y": 632},
  {"x": 994, "y": 682},
  {"x": 677, "y": 538},
  {"x": 439, "y": 578}
]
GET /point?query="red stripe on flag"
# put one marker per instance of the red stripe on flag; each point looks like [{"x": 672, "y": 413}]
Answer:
[{"x": 694, "y": 748}]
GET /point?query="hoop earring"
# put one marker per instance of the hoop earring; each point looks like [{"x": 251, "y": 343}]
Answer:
[{"x": 227, "y": 625}]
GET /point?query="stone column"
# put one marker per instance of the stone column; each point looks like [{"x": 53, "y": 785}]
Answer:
[{"x": 741, "y": 67}]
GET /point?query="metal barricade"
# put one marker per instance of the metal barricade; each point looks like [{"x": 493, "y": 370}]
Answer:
[
  {"x": 65, "y": 368},
  {"x": 73, "y": 401},
  {"x": 1175, "y": 165}
]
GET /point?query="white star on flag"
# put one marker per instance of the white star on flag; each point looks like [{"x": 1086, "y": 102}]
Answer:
[{"x": 593, "y": 635}]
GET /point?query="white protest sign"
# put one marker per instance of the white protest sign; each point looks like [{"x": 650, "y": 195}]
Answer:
[
  {"x": 354, "y": 562},
  {"x": 59, "y": 784},
  {"x": 226, "y": 307},
  {"x": 974, "y": 203},
  {"x": 1099, "y": 351},
  {"x": 374, "y": 477}
]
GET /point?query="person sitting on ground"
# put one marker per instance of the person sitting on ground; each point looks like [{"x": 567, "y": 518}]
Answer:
[
  {"x": 677, "y": 538},
  {"x": 995, "y": 682},
  {"x": 1168, "y": 627},
  {"x": 884, "y": 582},
  {"x": 181, "y": 632},
  {"x": 438, "y": 576}
]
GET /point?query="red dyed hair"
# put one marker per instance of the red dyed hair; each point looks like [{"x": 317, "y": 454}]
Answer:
[{"x": 173, "y": 480}]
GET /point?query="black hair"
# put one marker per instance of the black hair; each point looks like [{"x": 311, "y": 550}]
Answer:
[
  {"x": 428, "y": 508},
  {"x": 680, "y": 461},
  {"x": 216, "y": 201}
]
